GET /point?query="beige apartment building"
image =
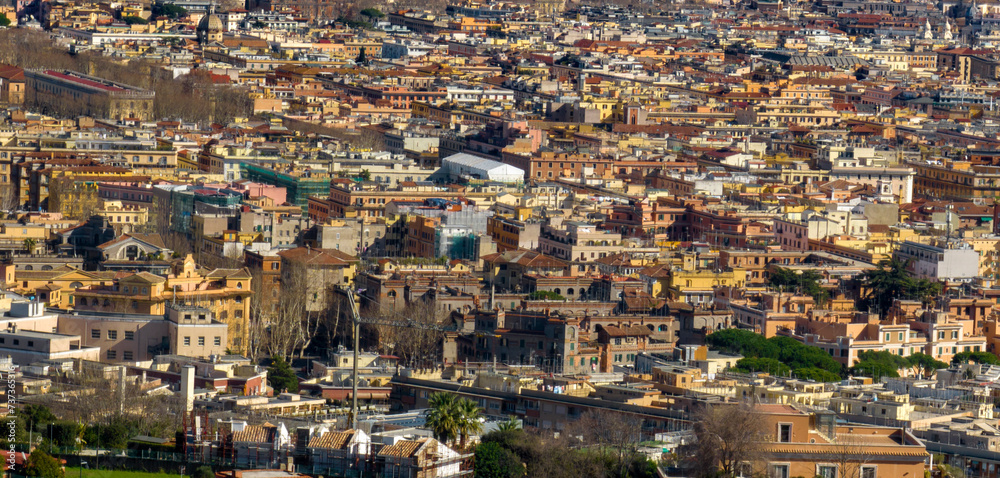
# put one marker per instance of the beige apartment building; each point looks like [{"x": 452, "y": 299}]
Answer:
[
  {"x": 579, "y": 243},
  {"x": 225, "y": 292},
  {"x": 183, "y": 330},
  {"x": 933, "y": 333},
  {"x": 124, "y": 218}
]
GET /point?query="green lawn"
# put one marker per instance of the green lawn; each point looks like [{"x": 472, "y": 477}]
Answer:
[{"x": 75, "y": 473}]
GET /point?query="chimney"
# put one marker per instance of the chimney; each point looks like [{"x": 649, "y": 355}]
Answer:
[{"x": 187, "y": 387}]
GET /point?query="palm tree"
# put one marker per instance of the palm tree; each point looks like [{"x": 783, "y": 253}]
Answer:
[
  {"x": 442, "y": 418},
  {"x": 510, "y": 425},
  {"x": 29, "y": 245},
  {"x": 468, "y": 422}
]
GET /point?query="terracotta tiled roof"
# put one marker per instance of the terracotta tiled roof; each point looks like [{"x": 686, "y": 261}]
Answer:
[
  {"x": 405, "y": 448},
  {"x": 151, "y": 239},
  {"x": 255, "y": 434},
  {"x": 525, "y": 258},
  {"x": 145, "y": 277},
  {"x": 318, "y": 256},
  {"x": 332, "y": 440},
  {"x": 229, "y": 274},
  {"x": 629, "y": 331}
]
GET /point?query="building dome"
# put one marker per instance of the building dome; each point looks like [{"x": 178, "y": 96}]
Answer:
[
  {"x": 209, "y": 28},
  {"x": 210, "y": 23}
]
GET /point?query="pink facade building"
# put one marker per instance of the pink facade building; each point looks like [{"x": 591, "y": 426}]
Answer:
[{"x": 252, "y": 190}]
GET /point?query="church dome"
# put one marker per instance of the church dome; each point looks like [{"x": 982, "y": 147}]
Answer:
[{"x": 210, "y": 23}]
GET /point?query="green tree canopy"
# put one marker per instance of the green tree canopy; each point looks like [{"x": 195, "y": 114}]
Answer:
[
  {"x": 4, "y": 21},
  {"x": 38, "y": 416},
  {"x": 805, "y": 282},
  {"x": 891, "y": 281},
  {"x": 926, "y": 364},
  {"x": 545, "y": 295},
  {"x": 977, "y": 357},
  {"x": 494, "y": 461},
  {"x": 281, "y": 376},
  {"x": 43, "y": 465},
  {"x": 134, "y": 20},
  {"x": 168, "y": 10},
  {"x": 784, "y": 350},
  {"x": 879, "y": 364},
  {"x": 817, "y": 374},
  {"x": 64, "y": 433},
  {"x": 766, "y": 365},
  {"x": 372, "y": 13},
  {"x": 203, "y": 472}
]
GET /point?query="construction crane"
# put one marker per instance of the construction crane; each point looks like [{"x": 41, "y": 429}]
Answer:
[{"x": 357, "y": 320}]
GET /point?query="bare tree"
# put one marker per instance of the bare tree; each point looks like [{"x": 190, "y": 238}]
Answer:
[
  {"x": 77, "y": 201},
  {"x": 335, "y": 320},
  {"x": 850, "y": 453},
  {"x": 729, "y": 436},
  {"x": 615, "y": 434},
  {"x": 231, "y": 259},
  {"x": 263, "y": 308},
  {"x": 176, "y": 242},
  {"x": 94, "y": 398},
  {"x": 413, "y": 333},
  {"x": 285, "y": 331},
  {"x": 9, "y": 201}
]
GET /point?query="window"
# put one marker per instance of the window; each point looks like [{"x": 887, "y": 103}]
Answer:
[
  {"x": 826, "y": 471},
  {"x": 112, "y": 354},
  {"x": 217, "y": 341},
  {"x": 954, "y": 334},
  {"x": 888, "y": 336},
  {"x": 779, "y": 471},
  {"x": 900, "y": 336},
  {"x": 785, "y": 432},
  {"x": 127, "y": 355},
  {"x": 201, "y": 341},
  {"x": 95, "y": 333},
  {"x": 129, "y": 335},
  {"x": 187, "y": 340},
  {"x": 112, "y": 335},
  {"x": 869, "y": 472}
]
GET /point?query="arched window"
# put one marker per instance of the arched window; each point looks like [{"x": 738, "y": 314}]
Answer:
[
  {"x": 663, "y": 328},
  {"x": 239, "y": 285},
  {"x": 46, "y": 268},
  {"x": 558, "y": 291},
  {"x": 75, "y": 285},
  {"x": 29, "y": 268},
  {"x": 569, "y": 291},
  {"x": 83, "y": 301}
]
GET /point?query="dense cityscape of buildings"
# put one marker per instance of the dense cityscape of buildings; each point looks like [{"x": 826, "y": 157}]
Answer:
[{"x": 784, "y": 214}]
